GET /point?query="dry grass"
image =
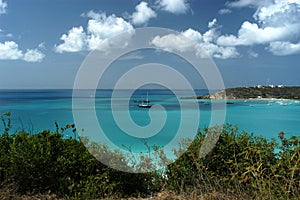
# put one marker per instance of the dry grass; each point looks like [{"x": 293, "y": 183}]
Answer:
[
  {"x": 169, "y": 195},
  {"x": 9, "y": 194}
]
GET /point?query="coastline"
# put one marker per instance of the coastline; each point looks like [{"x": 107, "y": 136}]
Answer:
[
  {"x": 262, "y": 99},
  {"x": 245, "y": 99},
  {"x": 256, "y": 93}
]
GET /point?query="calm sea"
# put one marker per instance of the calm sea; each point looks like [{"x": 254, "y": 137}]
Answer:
[{"x": 36, "y": 110}]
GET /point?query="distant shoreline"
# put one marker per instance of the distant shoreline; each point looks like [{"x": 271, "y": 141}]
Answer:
[
  {"x": 255, "y": 93},
  {"x": 264, "y": 99}
]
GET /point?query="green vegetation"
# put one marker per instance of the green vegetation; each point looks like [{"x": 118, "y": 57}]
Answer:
[
  {"x": 240, "y": 166},
  {"x": 254, "y": 92}
]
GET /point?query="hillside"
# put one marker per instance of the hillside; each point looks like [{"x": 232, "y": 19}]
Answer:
[{"x": 256, "y": 92}]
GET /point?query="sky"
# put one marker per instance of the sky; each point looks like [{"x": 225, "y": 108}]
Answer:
[{"x": 252, "y": 42}]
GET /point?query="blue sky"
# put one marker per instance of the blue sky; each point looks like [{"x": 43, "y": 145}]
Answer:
[{"x": 252, "y": 42}]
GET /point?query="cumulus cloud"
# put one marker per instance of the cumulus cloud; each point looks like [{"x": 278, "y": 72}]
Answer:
[
  {"x": 74, "y": 41},
  {"x": 173, "y": 42},
  {"x": 33, "y": 55},
  {"x": 3, "y": 6},
  {"x": 181, "y": 43},
  {"x": 106, "y": 26},
  {"x": 212, "y": 23},
  {"x": 221, "y": 52},
  {"x": 213, "y": 33},
  {"x": 280, "y": 13},
  {"x": 251, "y": 33},
  {"x": 193, "y": 35},
  {"x": 99, "y": 28},
  {"x": 202, "y": 45},
  {"x": 173, "y": 6},
  {"x": 284, "y": 48},
  {"x": 9, "y": 50},
  {"x": 142, "y": 14},
  {"x": 275, "y": 21}
]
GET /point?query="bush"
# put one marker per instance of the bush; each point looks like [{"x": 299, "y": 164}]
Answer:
[
  {"x": 240, "y": 165},
  {"x": 47, "y": 162}
]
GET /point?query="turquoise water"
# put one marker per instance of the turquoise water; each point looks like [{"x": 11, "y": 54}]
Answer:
[{"x": 36, "y": 110}]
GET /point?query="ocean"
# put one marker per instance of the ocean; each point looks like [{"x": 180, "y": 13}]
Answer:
[{"x": 37, "y": 110}]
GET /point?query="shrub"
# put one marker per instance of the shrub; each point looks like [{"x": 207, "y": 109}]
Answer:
[{"x": 240, "y": 165}]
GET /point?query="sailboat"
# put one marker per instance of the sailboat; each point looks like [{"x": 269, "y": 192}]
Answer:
[{"x": 145, "y": 103}]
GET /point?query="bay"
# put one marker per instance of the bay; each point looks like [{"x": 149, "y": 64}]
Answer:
[{"x": 37, "y": 110}]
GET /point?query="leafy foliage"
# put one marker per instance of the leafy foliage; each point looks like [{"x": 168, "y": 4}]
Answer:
[{"x": 240, "y": 164}]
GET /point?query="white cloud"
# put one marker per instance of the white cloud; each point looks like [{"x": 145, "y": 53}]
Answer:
[
  {"x": 284, "y": 48},
  {"x": 74, "y": 41},
  {"x": 181, "y": 43},
  {"x": 224, "y": 11},
  {"x": 106, "y": 26},
  {"x": 220, "y": 52},
  {"x": 191, "y": 40},
  {"x": 212, "y": 23},
  {"x": 9, "y": 50},
  {"x": 99, "y": 28},
  {"x": 3, "y": 6},
  {"x": 251, "y": 33},
  {"x": 280, "y": 13},
  {"x": 173, "y": 42},
  {"x": 33, "y": 55},
  {"x": 193, "y": 35},
  {"x": 276, "y": 20},
  {"x": 173, "y": 6},
  {"x": 247, "y": 3},
  {"x": 143, "y": 14},
  {"x": 213, "y": 33}
]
